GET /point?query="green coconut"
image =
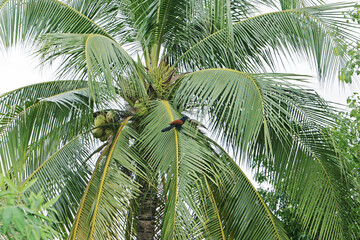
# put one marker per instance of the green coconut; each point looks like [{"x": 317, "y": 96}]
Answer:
[
  {"x": 99, "y": 120},
  {"x": 137, "y": 104},
  {"x": 141, "y": 111},
  {"x": 109, "y": 132},
  {"x": 98, "y": 132},
  {"x": 103, "y": 138},
  {"x": 110, "y": 116}
]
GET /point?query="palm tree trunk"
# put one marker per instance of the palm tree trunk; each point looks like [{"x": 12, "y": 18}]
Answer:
[{"x": 147, "y": 211}]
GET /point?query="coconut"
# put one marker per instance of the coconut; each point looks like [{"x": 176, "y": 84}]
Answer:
[
  {"x": 137, "y": 104},
  {"x": 109, "y": 132},
  {"x": 99, "y": 120},
  {"x": 110, "y": 116},
  {"x": 98, "y": 132},
  {"x": 141, "y": 111},
  {"x": 103, "y": 138}
]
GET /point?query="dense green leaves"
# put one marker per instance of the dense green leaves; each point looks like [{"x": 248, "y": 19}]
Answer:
[{"x": 28, "y": 219}]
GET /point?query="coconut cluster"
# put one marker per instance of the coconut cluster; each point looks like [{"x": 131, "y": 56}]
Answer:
[
  {"x": 140, "y": 108},
  {"x": 104, "y": 125}
]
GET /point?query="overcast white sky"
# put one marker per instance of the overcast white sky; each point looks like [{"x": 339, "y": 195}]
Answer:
[{"x": 19, "y": 68}]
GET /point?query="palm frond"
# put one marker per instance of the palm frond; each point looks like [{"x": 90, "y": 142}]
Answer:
[
  {"x": 178, "y": 159},
  {"x": 26, "y": 129},
  {"x": 233, "y": 101},
  {"x": 288, "y": 134},
  {"x": 100, "y": 60},
  {"x": 243, "y": 212},
  {"x": 140, "y": 17},
  {"x": 306, "y": 159},
  {"x": 163, "y": 157},
  {"x": 106, "y": 202},
  {"x": 65, "y": 173},
  {"x": 104, "y": 13},
  {"x": 314, "y": 33},
  {"x": 87, "y": 199},
  {"x": 39, "y": 17},
  {"x": 292, "y": 4},
  {"x": 196, "y": 177},
  {"x": 239, "y": 105},
  {"x": 37, "y": 91}
]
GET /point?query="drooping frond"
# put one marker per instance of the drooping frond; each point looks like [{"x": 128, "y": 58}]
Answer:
[
  {"x": 197, "y": 179},
  {"x": 100, "y": 60},
  {"x": 37, "y": 91},
  {"x": 305, "y": 166},
  {"x": 106, "y": 202},
  {"x": 240, "y": 208},
  {"x": 26, "y": 20},
  {"x": 238, "y": 105},
  {"x": 27, "y": 126},
  {"x": 314, "y": 33},
  {"x": 64, "y": 173}
]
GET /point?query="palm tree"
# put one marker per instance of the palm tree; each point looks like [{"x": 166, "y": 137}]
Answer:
[{"x": 150, "y": 62}]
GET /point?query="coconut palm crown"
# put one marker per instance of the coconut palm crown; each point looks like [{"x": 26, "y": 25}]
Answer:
[{"x": 135, "y": 66}]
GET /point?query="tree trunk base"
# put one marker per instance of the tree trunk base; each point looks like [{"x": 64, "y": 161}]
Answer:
[{"x": 147, "y": 211}]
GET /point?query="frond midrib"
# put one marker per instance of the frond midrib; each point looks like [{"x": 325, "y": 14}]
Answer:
[
  {"x": 177, "y": 160},
  {"x": 216, "y": 208},
  {"x": 36, "y": 84},
  {"x": 104, "y": 174},
  {"x": 76, "y": 224}
]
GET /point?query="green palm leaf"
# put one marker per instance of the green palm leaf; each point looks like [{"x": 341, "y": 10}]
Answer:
[
  {"x": 195, "y": 208},
  {"x": 247, "y": 102},
  {"x": 169, "y": 157},
  {"x": 308, "y": 161},
  {"x": 103, "y": 13},
  {"x": 37, "y": 91},
  {"x": 234, "y": 102},
  {"x": 292, "y": 4},
  {"x": 27, "y": 125},
  {"x": 100, "y": 60},
  {"x": 106, "y": 201},
  {"x": 282, "y": 117},
  {"x": 65, "y": 174},
  {"x": 282, "y": 32},
  {"x": 39, "y": 17},
  {"x": 243, "y": 212},
  {"x": 163, "y": 154}
]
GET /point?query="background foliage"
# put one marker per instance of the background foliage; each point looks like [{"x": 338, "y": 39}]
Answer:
[{"x": 26, "y": 219}]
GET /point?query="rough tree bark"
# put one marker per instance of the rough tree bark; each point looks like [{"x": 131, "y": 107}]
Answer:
[{"x": 147, "y": 211}]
